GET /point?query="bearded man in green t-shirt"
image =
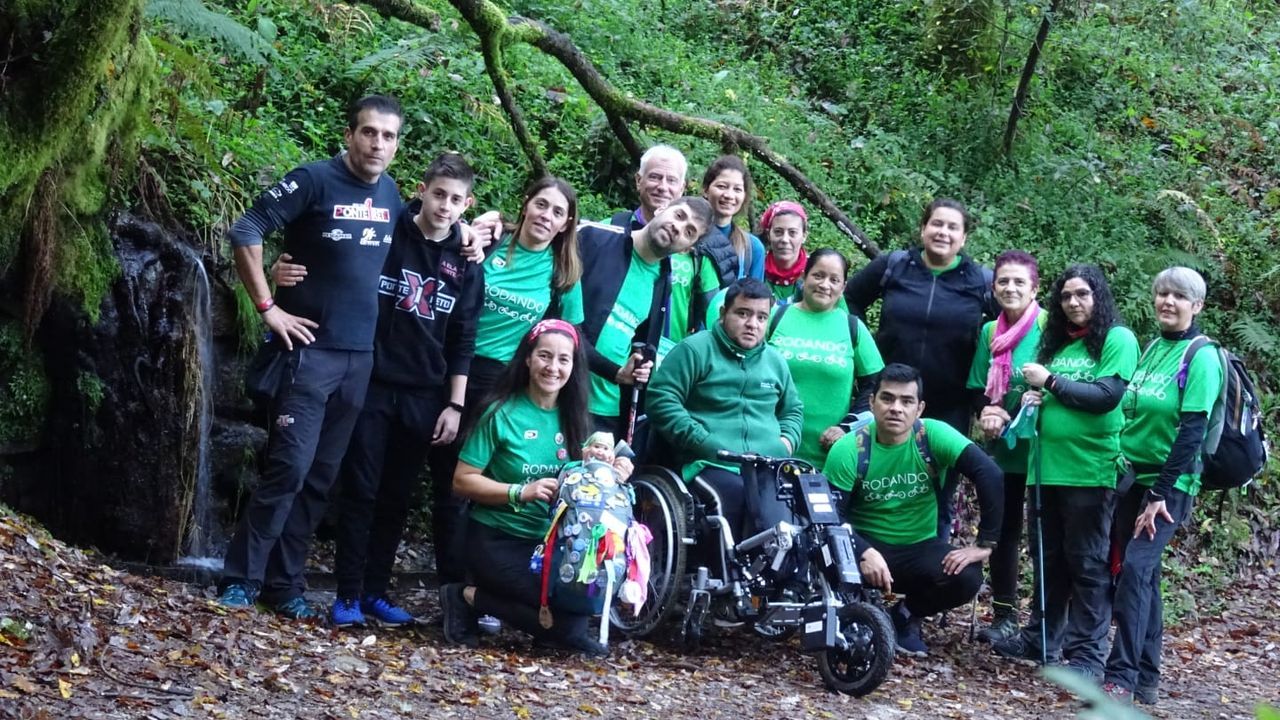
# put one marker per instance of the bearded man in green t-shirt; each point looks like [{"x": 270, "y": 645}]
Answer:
[{"x": 892, "y": 470}]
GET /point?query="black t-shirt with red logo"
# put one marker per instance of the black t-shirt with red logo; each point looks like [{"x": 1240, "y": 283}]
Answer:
[{"x": 340, "y": 228}]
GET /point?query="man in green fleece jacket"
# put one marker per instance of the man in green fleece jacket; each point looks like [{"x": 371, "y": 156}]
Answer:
[{"x": 727, "y": 390}]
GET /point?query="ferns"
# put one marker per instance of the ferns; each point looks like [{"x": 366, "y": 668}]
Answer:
[
  {"x": 1254, "y": 337},
  {"x": 410, "y": 52},
  {"x": 195, "y": 18}
]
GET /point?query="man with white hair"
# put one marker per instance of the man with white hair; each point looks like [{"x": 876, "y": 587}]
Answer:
[{"x": 660, "y": 180}]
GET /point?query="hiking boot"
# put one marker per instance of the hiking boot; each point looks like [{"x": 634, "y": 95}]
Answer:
[
  {"x": 908, "y": 632},
  {"x": 345, "y": 612},
  {"x": 1003, "y": 626},
  {"x": 238, "y": 596},
  {"x": 1016, "y": 648},
  {"x": 1146, "y": 694},
  {"x": 381, "y": 609},
  {"x": 723, "y": 615},
  {"x": 583, "y": 645},
  {"x": 297, "y": 608},
  {"x": 459, "y": 618},
  {"x": 1118, "y": 693}
]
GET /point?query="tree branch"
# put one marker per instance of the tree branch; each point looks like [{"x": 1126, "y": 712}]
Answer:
[
  {"x": 485, "y": 17},
  {"x": 1018, "y": 108}
]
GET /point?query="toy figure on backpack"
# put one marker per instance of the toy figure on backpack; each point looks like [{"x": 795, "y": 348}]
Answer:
[{"x": 594, "y": 550}]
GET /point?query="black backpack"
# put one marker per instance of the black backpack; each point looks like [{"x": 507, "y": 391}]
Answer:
[{"x": 1235, "y": 448}]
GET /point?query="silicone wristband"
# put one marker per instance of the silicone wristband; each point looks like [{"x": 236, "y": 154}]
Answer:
[{"x": 265, "y": 305}]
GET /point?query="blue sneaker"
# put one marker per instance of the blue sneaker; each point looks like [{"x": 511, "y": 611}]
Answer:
[
  {"x": 908, "y": 632},
  {"x": 380, "y": 608},
  {"x": 297, "y": 608},
  {"x": 345, "y": 612},
  {"x": 238, "y": 596}
]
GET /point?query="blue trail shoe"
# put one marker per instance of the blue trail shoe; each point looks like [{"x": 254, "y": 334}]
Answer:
[
  {"x": 238, "y": 596},
  {"x": 297, "y": 608},
  {"x": 345, "y": 612},
  {"x": 381, "y": 609},
  {"x": 908, "y": 632}
]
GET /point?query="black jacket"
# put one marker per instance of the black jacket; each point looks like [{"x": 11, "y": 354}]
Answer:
[
  {"x": 428, "y": 301},
  {"x": 926, "y": 321},
  {"x": 606, "y": 255}
]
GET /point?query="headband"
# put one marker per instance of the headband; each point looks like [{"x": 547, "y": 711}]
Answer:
[
  {"x": 554, "y": 325},
  {"x": 782, "y": 207}
]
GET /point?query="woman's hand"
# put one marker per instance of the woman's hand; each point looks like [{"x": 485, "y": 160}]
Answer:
[
  {"x": 830, "y": 436},
  {"x": 543, "y": 489},
  {"x": 1147, "y": 520},
  {"x": 1033, "y": 397},
  {"x": 285, "y": 273},
  {"x": 624, "y": 468},
  {"x": 1036, "y": 374},
  {"x": 993, "y": 420},
  {"x": 636, "y": 370}
]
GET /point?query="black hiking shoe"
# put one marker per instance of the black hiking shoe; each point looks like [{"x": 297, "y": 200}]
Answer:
[{"x": 459, "y": 617}]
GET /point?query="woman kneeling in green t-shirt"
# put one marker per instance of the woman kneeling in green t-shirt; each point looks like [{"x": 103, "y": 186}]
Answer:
[
  {"x": 535, "y": 422},
  {"x": 1086, "y": 359}
]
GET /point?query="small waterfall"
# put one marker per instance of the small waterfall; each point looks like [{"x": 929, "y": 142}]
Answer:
[{"x": 199, "y": 421}]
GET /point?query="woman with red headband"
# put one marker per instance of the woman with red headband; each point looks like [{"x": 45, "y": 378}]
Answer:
[
  {"x": 785, "y": 227},
  {"x": 535, "y": 421}
]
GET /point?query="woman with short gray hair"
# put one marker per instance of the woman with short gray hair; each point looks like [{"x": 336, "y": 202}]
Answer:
[{"x": 1166, "y": 407}]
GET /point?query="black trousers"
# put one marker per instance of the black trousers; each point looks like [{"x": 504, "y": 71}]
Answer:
[
  {"x": 917, "y": 573},
  {"x": 377, "y": 483},
  {"x": 958, "y": 417},
  {"x": 311, "y": 423},
  {"x": 1076, "y": 522},
  {"x": 1006, "y": 558},
  {"x": 507, "y": 589},
  {"x": 729, "y": 491},
  {"x": 448, "y": 511}
]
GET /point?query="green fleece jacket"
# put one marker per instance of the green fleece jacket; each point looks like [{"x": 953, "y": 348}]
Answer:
[{"x": 709, "y": 395}]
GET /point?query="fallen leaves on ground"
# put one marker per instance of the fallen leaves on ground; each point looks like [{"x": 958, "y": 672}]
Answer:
[{"x": 80, "y": 639}]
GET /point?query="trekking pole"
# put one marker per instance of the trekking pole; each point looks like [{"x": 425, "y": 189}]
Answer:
[
  {"x": 1039, "y": 508},
  {"x": 644, "y": 350}
]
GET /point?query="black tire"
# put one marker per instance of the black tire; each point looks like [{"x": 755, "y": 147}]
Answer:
[
  {"x": 860, "y": 669},
  {"x": 661, "y": 507}
]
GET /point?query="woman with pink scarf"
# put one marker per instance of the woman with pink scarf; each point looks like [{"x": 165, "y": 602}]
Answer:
[{"x": 1004, "y": 345}]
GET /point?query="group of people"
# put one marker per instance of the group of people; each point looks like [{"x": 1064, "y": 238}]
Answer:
[{"x": 492, "y": 351}]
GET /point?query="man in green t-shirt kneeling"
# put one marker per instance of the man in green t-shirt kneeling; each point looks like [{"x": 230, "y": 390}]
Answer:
[{"x": 892, "y": 470}]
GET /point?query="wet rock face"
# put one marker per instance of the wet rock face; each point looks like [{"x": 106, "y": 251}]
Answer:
[{"x": 119, "y": 474}]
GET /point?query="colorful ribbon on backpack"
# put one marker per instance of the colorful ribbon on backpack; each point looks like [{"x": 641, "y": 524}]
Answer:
[
  {"x": 544, "y": 609},
  {"x": 591, "y": 558}
]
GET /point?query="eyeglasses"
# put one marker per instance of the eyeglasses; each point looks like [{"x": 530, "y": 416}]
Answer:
[{"x": 1080, "y": 295}]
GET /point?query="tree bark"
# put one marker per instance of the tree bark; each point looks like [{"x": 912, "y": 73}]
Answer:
[
  {"x": 487, "y": 19},
  {"x": 1028, "y": 72}
]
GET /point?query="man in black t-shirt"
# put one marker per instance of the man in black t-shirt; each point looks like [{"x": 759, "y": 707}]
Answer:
[{"x": 337, "y": 217}]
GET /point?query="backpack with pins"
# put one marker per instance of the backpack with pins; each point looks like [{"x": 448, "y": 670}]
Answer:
[
  {"x": 594, "y": 550},
  {"x": 1235, "y": 449}
]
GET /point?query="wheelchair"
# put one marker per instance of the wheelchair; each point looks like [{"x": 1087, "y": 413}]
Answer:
[{"x": 792, "y": 577}]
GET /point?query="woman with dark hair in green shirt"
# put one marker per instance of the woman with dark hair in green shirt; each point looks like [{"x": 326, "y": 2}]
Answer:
[
  {"x": 832, "y": 356},
  {"x": 1086, "y": 359},
  {"x": 535, "y": 422}
]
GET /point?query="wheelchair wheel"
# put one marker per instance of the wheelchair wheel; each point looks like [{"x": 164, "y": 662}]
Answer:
[
  {"x": 661, "y": 507},
  {"x": 861, "y": 667}
]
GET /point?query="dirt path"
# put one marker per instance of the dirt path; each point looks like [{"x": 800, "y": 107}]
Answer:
[{"x": 79, "y": 639}]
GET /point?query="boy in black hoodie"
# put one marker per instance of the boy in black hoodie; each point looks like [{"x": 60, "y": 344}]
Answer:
[{"x": 429, "y": 298}]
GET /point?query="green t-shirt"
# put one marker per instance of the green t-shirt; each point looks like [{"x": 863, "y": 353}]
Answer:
[
  {"x": 682, "y": 270},
  {"x": 517, "y": 291},
  {"x": 897, "y": 502},
  {"x": 823, "y": 365},
  {"x": 1151, "y": 405},
  {"x": 629, "y": 310},
  {"x": 1011, "y": 460},
  {"x": 517, "y": 443},
  {"x": 784, "y": 293},
  {"x": 1080, "y": 448}
]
